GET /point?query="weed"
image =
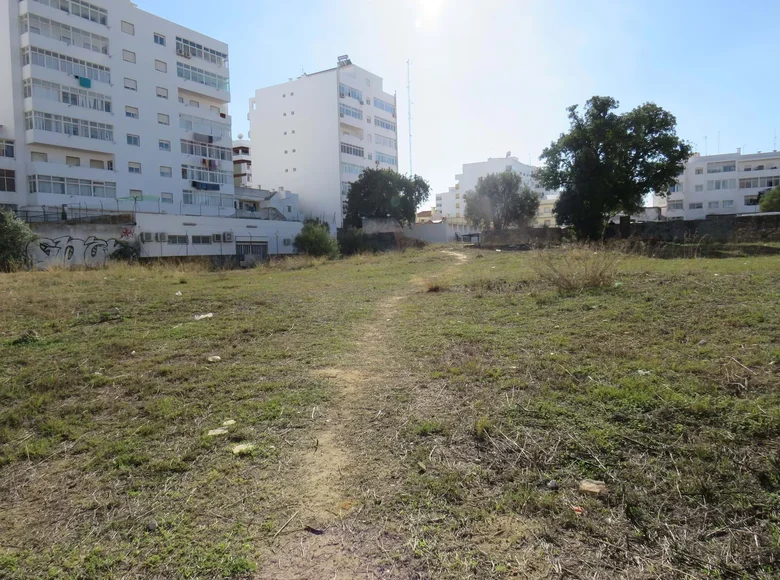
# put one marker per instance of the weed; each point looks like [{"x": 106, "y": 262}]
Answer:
[
  {"x": 427, "y": 428},
  {"x": 573, "y": 270},
  {"x": 482, "y": 428}
]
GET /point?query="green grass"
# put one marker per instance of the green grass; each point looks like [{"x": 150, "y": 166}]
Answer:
[{"x": 664, "y": 386}]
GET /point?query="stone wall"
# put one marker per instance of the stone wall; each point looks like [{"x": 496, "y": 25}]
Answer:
[
  {"x": 730, "y": 228},
  {"x": 517, "y": 236}
]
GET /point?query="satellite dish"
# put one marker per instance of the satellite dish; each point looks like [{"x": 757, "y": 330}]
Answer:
[
  {"x": 508, "y": 154},
  {"x": 240, "y": 135}
]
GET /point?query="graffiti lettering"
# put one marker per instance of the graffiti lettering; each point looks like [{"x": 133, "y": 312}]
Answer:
[{"x": 72, "y": 251}]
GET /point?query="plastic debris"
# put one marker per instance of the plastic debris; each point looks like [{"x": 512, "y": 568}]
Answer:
[
  {"x": 578, "y": 510},
  {"x": 179, "y": 293},
  {"x": 204, "y": 316},
  {"x": 643, "y": 373},
  {"x": 214, "y": 359},
  {"x": 593, "y": 487}
]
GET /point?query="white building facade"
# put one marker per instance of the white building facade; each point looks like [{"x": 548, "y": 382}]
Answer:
[
  {"x": 108, "y": 108},
  {"x": 721, "y": 184},
  {"x": 242, "y": 162},
  {"x": 315, "y": 135}
]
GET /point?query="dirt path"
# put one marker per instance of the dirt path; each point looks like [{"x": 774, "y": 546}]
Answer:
[{"x": 345, "y": 466}]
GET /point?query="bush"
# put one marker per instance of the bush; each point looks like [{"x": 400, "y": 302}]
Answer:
[
  {"x": 15, "y": 236},
  {"x": 770, "y": 201},
  {"x": 315, "y": 240},
  {"x": 573, "y": 270},
  {"x": 351, "y": 241}
]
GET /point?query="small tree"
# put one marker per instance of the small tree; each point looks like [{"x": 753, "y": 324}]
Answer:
[
  {"x": 315, "y": 240},
  {"x": 15, "y": 236},
  {"x": 384, "y": 193},
  {"x": 607, "y": 163},
  {"x": 501, "y": 199},
  {"x": 770, "y": 201}
]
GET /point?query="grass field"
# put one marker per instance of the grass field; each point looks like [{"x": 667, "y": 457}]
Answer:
[{"x": 401, "y": 416}]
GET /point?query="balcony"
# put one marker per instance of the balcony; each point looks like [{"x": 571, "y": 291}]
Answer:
[
  {"x": 70, "y": 171},
  {"x": 68, "y": 141}
]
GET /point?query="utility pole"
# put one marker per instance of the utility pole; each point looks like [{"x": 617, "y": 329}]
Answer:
[{"x": 409, "y": 92}]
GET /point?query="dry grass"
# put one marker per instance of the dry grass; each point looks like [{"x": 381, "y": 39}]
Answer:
[
  {"x": 293, "y": 263},
  {"x": 572, "y": 270}
]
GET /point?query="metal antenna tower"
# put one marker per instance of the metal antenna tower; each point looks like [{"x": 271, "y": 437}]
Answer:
[{"x": 409, "y": 92}]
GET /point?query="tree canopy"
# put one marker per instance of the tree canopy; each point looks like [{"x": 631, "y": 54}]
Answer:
[
  {"x": 770, "y": 201},
  {"x": 315, "y": 239},
  {"x": 608, "y": 162},
  {"x": 501, "y": 200},
  {"x": 15, "y": 235},
  {"x": 384, "y": 193}
]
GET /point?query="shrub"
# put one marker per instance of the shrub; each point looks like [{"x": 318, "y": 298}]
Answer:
[
  {"x": 351, "y": 241},
  {"x": 576, "y": 269},
  {"x": 315, "y": 240},
  {"x": 770, "y": 201},
  {"x": 15, "y": 236}
]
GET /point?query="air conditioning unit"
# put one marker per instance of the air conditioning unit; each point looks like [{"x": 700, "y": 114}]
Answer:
[
  {"x": 228, "y": 237},
  {"x": 287, "y": 242},
  {"x": 146, "y": 237},
  {"x": 341, "y": 115},
  {"x": 341, "y": 95},
  {"x": 161, "y": 237},
  {"x": 361, "y": 102},
  {"x": 216, "y": 238}
]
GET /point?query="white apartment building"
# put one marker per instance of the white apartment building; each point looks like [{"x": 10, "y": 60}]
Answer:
[
  {"x": 315, "y": 135},
  {"x": 242, "y": 162},
  {"x": 721, "y": 184},
  {"x": 108, "y": 108}
]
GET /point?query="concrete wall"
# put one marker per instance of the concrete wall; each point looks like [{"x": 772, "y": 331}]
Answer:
[
  {"x": 75, "y": 244},
  {"x": 433, "y": 233},
  {"x": 518, "y": 236},
  {"x": 758, "y": 228}
]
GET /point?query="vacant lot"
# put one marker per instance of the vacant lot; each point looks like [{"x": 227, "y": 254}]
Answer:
[{"x": 420, "y": 415}]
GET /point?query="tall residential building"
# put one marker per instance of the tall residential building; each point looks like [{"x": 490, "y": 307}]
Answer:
[
  {"x": 315, "y": 135},
  {"x": 721, "y": 184},
  {"x": 242, "y": 162},
  {"x": 110, "y": 108}
]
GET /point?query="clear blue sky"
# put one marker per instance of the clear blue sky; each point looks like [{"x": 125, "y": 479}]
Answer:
[{"x": 490, "y": 76}]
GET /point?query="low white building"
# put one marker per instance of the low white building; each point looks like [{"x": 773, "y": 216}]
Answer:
[
  {"x": 314, "y": 135},
  {"x": 721, "y": 184}
]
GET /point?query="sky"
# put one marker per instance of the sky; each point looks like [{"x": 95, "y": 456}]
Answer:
[{"x": 493, "y": 76}]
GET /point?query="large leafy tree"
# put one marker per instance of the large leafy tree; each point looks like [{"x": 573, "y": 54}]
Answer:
[
  {"x": 770, "y": 201},
  {"x": 608, "y": 162},
  {"x": 383, "y": 193},
  {"x": 501, "y": 200}
]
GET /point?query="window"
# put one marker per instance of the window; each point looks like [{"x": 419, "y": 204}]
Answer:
[
  {"x": 457, "y": 196},
  {"x": 159, "y": 39},
  {"x": 368, "y": 82},
  {"x": 699, "y": 171},
  {"x": 7, "y": 180},
  {"x": 206, "y": 150},
  {"x": 128, "y": 56},
  {"x": 293, "y": 150},
  {"x": 368, "y": 101},
  {"x": 97, "y": 164},
  {"x": 389, "y": 159},
  {"x": 380, "y": 104},
  {"x": 386, "y": 141},
  {"x": 161, "y": 66},
  {"x": 163, "y": 119},
  {"x": 753, "y": 182},
  {"x": 166, "y": 197},
  {"x": 347, "y": 91},
  {"x": 68, "y": 126},
  {"x": 728, "y": 203},
  {"x": 203, "y": 77},
  {"x": 133, "y": 140},
  {"x": 131, "y": 84},
  {"x": 189, "y": 49},
  {"x": 695, "y": 206},
  {"x": 713, "y": 205},
  {"x": 747, "y": 168},
  {"x": 676, "y": 188},
  {"x": 699, "y": 188},
  {"x": 675, "y": 205},
  {"x": 133, "y": 167},
  {"x": 39, "y": 156},
  {"x": 718, "y": 184},
  {"x": 73, "y": 161},
  {"x": 166, "y": 171},
  {"x": 379, "y": 122},
  {"x": 347, "y": 111},
  {"x": 351, "y": 150},
  {"x": 206, "y": 126},
  {"x": 285, "y": 151},
  {"x": 351, "y": 168},
  {"x": 202, "y": 174},
  {"x": 71, "y": 96},
  {"x": 201, "y": 240},
  {"x": 66, "y": 64},
  {"x": 62, "y": 32},
  {"x": 292, "y": 112},
  {"x": 131, "y": 112},
  {"x": 194, "y": 103},
  {"x": 293, "y": 131},
  {"x": 67, "y": 186},
  {"x": 457, "y": 206},
  {"x": 164, "y": 145},
  {"x": 751, "y": 200},
  {"x": 215, "y": 109},
  {"x": 181, "y": 100},
  {"x": 128, "y": 28},
  {"x": 177, "y": 240},
  {"x": 162, "y": 93}
]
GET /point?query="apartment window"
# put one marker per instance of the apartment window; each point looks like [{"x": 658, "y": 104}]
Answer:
[
  {"x": 347, "y": 91},
  {"x": 369, "y": 157},
  {"x": 131, "y": 112},
  {"x": 71, "y": 96},
  {"x": 67, "y": 64},
  {"x": 285, "y": 132},
  {"x": 284, "y": 114},
  {"x": 189, "y": 49},
  {"x": 128, "y": 56},
  {"x": 695, "y": 206},
  {"x": 389, "y": 159},
  {"x": 159, "y": 39},
  {"x": 368, "y": 101},
  {"x": 201, "y": 240},
  {"x": 64, "y": 33},
  {"x": 97, "y": 164},
  {"x": 699, "y": 171},
  {"x": 161, "y": 66},
  {"x": 285, "y": 151},
  {"x": 181, "y": 100},
  {"x": 203, "y": 77},
  {"x": 128, "y": 28},
  {"x": 728, "y": 203},
  {"x": 73, "y": 161},
  {"x": 676, "y": 188},
  {"x": 163, "y": 119},
  {"x": 457, "y": 196},
  {"x": 713, "y": 205},
  {"x": 747, "y": 168},
  {"x": 351, "y": 150},
  {"x": 35, "y": 156},
  {"x": 166, "y": 197},
  {"x": 753, "y": 182},
  {"x": 162, "y": 93},
  {"x": 131, "y": 84},
  {"x": 368, "y": 120},
  {"x": 133, "y": 167},
  {"x": 751, "y": 200},
  {"x": 287, "y": 171},
  {"x": 718, "y": 184},
  {"x": 164, "y": 145},
  {"x": 68, "y": 126},
  {"x": 380, "y": 104},
  {"x": 379, "y": 122},
  {"x": 347, "y": 111},
  {"x": 177, "y": 240},
  {"x": 292, "y": 112},
  {"x": 294, "y": 170},
  {"x": 457, "y": 206},
  {"x": 194, "y": 103},
  {"x": 699, "y": 188},
  {"x": 133, "y": 140},
  {"x": 293, "y": 150},
  {"x": 675, "y": 205},
  {"x": 7, "y": 180},
  {"x": 293, "y": 131},
  {"x": 166, "y": 171},
  {"x": 68, "y": 186},
  {"x": 215, "y": 109},
  {"x": 351, "y": 168},
  {"x": 386, "y": 141},
  {"x": 344, "y": 187}
]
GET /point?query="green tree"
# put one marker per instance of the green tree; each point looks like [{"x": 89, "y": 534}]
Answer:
[
  {"x": 608, "y": 162},
  {"x": 384, "y": 193},
  {"x": 15, "y": 236},
  {"x": 315, "y": 240},
  {"x": 770, "y": 201},
  {"x": 501, "y": 200}
]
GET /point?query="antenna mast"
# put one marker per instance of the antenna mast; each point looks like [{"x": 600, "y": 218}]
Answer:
[{"x": 409, "y": 92}]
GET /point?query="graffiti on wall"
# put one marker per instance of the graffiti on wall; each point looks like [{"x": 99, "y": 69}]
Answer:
[{"x": 71, "y": 251}]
